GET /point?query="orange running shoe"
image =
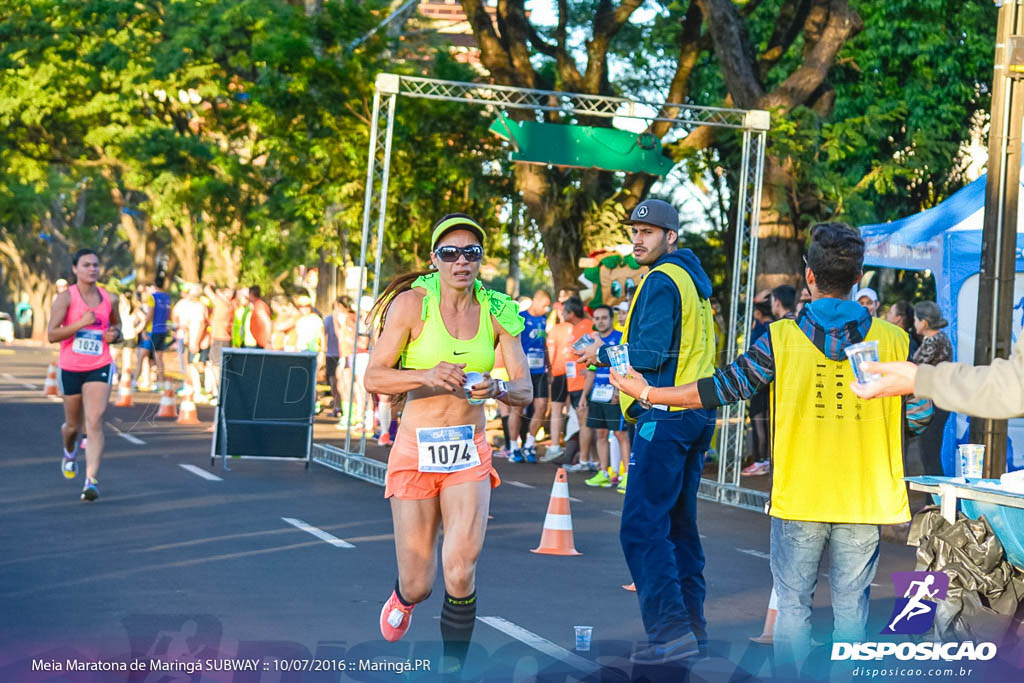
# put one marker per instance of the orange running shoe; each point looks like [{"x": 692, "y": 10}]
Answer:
[{"x": 395, "y": 618}]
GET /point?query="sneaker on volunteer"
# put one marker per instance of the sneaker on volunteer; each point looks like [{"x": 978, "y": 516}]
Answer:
[
  {"x": 384, "y": 439},
  {"x": 552, "y": 453},
  {"x": 621, "y": 488},
  {"x": 91, "y": 491},
  {"x": 530, "y": 455},
  {"x": 395, "y": 618},
  {"x": 517, "y": 456},
  {"x": 672, "y": 651},
  {"x": 576, "y": 467},
  {"x": 600, "y": 479}
]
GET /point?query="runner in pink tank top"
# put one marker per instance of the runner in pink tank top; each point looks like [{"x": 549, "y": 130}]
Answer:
[
  {"x": 87, "y": 349},
  {"x": 85, "y": 320}
]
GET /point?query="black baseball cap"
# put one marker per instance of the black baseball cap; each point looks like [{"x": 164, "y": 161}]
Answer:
[{"x": 655, "y": 212}]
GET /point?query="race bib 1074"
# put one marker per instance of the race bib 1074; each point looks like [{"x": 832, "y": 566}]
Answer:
[{"x": 446, "y": 449}]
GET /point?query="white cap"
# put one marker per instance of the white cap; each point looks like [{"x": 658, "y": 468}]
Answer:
[
  {"x": 622, "y": 306},
  {"x": 868, "y": 292}
]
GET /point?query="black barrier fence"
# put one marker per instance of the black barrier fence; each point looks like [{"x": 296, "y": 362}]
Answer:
[{"x": 266, "y": 405}]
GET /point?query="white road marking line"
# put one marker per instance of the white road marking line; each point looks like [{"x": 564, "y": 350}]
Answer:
[
  {"x": 616, "y": 513},
  {"x": 541, "y": 644},
  {"x": 126, "y": 436},
  {"x": 28, "y": 386},
  {"x": 200, "y": 472},
  {"x": 755, "y": 553},
  {"x": 575, "y": 500},
  {"x": 319, "y": 533},
  {"x": 520, "y": 484}
]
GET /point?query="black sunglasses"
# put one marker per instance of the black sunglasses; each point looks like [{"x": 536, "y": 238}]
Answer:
[{"x": 450, "y": 254}]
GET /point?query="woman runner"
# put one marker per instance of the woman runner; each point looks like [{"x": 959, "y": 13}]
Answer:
[
  {"x": 85, "y": 320},
  {"x": 435, "y": 327}
]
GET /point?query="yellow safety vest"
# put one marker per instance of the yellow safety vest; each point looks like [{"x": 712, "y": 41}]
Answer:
[
  {"x": 696, "y": 352},
  {"x": 835, "y": 457}
]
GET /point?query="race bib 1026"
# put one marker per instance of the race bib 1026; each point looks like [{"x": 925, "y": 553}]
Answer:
[{"x": 88, "y": 342}]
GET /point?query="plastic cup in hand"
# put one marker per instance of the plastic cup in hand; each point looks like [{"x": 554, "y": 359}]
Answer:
[
  {"x": 862, "y": 353},
  {"x": 582, "y": 343},
  {"x": 618, "y": 356},
  {"x": 583, "y": 636},
  {"x": 472, "y": 378},
  {"x": 972, "y": 460}
]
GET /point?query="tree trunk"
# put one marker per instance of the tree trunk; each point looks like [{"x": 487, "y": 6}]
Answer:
[
  {"x": 546, "y": 205},
  {"x": 779, "y": 247}
]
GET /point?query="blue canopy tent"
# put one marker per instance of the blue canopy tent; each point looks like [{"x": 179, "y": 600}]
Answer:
[{"x": 946, "y": 240}]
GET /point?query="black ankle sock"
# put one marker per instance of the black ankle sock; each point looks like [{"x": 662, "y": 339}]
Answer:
[
  {"x": 398, "y": 594},
  {"x": 504, "y": 430},
  {"x": 458, "y": 615}
]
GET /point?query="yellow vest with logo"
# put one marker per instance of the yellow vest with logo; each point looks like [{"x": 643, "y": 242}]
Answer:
[
  {"x": 835, "y": 457},
  {"x": 696, "y": 352}
]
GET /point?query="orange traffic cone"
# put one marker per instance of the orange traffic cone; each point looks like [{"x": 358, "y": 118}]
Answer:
[
  {"x": 188, "y": 415},
  {"x": 167, "y": 408},
  {"x": 50, "y": 386},
  {"x": 556, "y": 538},
  {"x": 124, "y": 391}
]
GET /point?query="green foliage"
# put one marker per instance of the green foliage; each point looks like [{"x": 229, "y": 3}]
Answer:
[{"x": 234, "y": 132}]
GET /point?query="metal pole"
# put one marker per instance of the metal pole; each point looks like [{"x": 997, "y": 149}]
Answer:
[
  {"x": 731, "y": 453},
  {"x": 381, "y": 216},
  {"x": 367, "y": 208},
  {"x": 999, "y": 236}
]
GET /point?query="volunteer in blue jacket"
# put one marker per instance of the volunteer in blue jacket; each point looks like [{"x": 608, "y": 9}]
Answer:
[
  {"x": 670, "y": 332},
  {"x": 837, "y": 460}
]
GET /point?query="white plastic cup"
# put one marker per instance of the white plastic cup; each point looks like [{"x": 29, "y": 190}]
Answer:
[
  {"x": 972, "y": 460},
  {"x": 861, "y": 353},
  {"x": 618, "y": 356},
  {"x": 583, "y": 637},
  {"x": 472, "y": 378},
  {"x": 582, "y": 343}
]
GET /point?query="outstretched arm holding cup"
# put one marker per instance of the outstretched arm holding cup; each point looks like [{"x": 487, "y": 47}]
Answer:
[{"x": 993, "y": 391}]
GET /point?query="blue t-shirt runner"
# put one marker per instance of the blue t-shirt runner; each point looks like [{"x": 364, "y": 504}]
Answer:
[
  {"x": 601, "y": 391},
  {"x": 534, "y": 340},
  {"x": 161, "y": 303}
]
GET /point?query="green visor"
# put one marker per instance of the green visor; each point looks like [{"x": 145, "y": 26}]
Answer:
[{"x": 456, "y": 222}]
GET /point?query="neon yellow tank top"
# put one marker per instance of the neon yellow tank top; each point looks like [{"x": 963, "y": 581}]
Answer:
[{"x": 435, "y": 344}]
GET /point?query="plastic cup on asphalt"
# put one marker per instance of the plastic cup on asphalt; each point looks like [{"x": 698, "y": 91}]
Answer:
[
  {"x": 472, "y": 378},
  {"x": 972, "y": 460},
  {"x": 861, "y": 353},
  {"x": 583, "y": 636},
  {"x": 619, "y": 357},
  {"x": 582, "y": 343}
]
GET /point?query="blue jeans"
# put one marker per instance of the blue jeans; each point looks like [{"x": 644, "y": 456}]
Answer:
[
  {"x": 659, "y": 522},
  {"x": 796, "y": 552}
]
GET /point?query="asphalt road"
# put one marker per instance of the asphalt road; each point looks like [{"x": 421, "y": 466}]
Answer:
[{"x": 171, "y": 563}]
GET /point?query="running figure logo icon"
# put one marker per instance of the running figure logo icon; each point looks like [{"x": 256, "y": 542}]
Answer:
[{"x": 914, "y": 613}]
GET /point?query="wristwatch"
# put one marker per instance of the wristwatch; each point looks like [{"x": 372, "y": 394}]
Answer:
[
  {"x": 643, "y": 400},
  {"x": 502, "y": 388}
]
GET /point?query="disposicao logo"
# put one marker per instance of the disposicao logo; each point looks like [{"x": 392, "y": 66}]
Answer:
[{"x": 914, "y": 613}]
